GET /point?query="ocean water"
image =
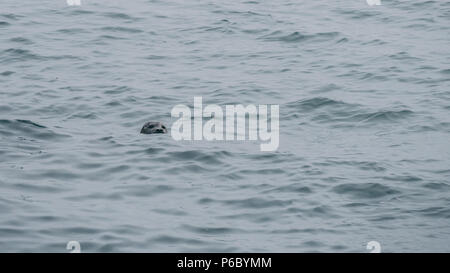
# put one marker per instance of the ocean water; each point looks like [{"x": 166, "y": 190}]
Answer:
[{"x": 364, "y": 97}]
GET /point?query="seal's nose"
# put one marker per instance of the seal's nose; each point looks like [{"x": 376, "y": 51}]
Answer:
[{"x": 159, "y": 131}]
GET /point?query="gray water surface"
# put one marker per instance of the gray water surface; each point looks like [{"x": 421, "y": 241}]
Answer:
[{"x": 364, "y": 95}]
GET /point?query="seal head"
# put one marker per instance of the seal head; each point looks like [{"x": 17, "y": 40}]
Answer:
[{"x": 153, "y": 127}]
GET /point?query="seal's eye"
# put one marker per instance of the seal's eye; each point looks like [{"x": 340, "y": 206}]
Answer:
[
  {"x": 164, "y": 127},
  {"x": 151, "y": 126}
]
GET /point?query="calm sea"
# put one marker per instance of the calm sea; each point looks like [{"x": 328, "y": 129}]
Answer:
[{"x": 364, "y": 97}]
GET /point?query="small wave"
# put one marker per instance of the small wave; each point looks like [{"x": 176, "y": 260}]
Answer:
[
  {"x": 23, "y": 187},
  {"x": 305, "y": 230},
  {"x": 83, "y": 115},
  {"x": 188, "y": 168},
  {"x": 21, "y": 40},
  {"x": 256, "y": 216},
  {"x": 117, "y": 90},
  {"x": 445, "y": 71},
  {"x": 365, "y": 190},
  {"x": 403, "y": 56},
  {"x": 311, "y": 104},
  {"x": 352, "y": 118},
  {"x": 6, "y": 232},
  {"x": 383, "y": 115},
  {"x": 153, "y": 150},
  {"x": 436, "y": 212},
  {"x": 144, "y": 190},
  {"x": 437, "y": 186},
  {"x": 299, "y": 37},
  {"x": 167, "y": 239},
  {"x": 313, "y": 244},
  {"x": 28, "y": 129},
  {"x": 404, "y": 178},
  {"x": 194, "y": 155},
  {"x": 7, "y": 73},
  {"x": 212, "y": 230},
  {"x": 72, "y": 31},
  {"x": 155, "y": 57},
  {"x": 95, "y": 196},
  {"x": 242, "y": 13},
  {"x": 5, "y": 109},
  {"x": 250, "y": 203},
  {"x": 322, "y": 211},
  {"x": 363, "y": 165},
  {"x": 424, "y": 4},
  {"x": 57, "y": 174},
  {"x": 11, "y": 16},
  {"x": 295, "y": 188},
  {"x": 357, "y": 14},
  {"x": 16, "y": 54},
  {"x": 122, "y": 29},
  {"x": 110, "y": 37},
  {"x": 78, "y": 230},
  {"x": 175, "y": 212},
  {"x": 21, "y": 55},
  {"x": 119, "y": 15},
  {"x": 325, "y": 110},
  {"x": 81, "y": 12}
]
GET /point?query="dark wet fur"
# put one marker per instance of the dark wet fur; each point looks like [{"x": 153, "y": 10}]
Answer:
[{"x": 152, "y": 127}]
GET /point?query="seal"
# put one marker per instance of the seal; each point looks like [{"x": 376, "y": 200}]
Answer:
[{"x": 153, "y": 127}]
